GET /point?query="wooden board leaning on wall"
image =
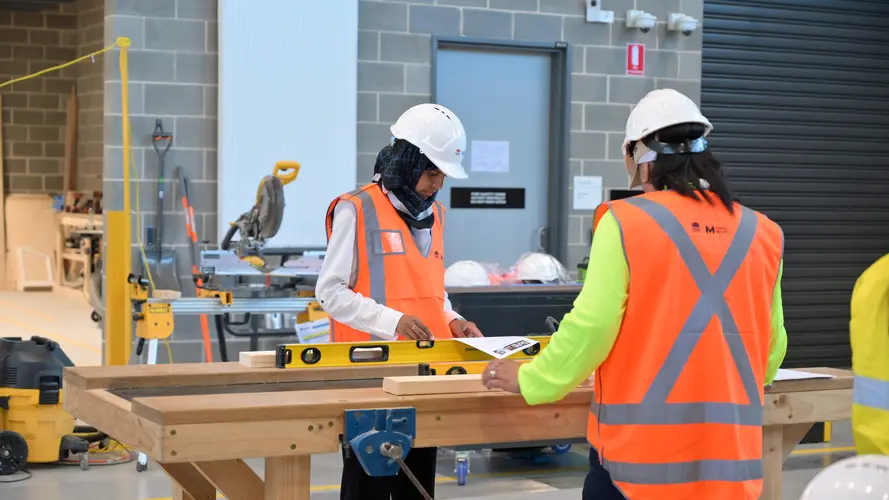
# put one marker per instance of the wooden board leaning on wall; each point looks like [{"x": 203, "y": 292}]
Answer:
[{"x": 30, "y": 225}]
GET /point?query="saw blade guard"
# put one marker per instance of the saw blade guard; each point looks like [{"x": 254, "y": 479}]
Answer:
[
  {"x": 263, "y": 221},
  {"x": 270, "y": 204}
]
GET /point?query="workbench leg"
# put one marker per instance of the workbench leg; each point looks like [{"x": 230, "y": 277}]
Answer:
[
  {"x": 233, "y": 478},
  {"x": 792, "y": 435},
  {"x": 288, "y": 478},
  {"x": 179, "y": 493},
  {"x": 778, "y": 441},
  {"x": 772, "y": 461},
  {"x": 188, "y": 482}
]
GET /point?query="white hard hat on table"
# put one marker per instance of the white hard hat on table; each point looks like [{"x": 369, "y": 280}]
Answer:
[
  {"x": 656, "y": 111},
  {"x": 543, "y": 267},
  {"x": 865, "y": 477},
  {"x": 438, "y": 133},
  {"x": 467, "y": 273}
]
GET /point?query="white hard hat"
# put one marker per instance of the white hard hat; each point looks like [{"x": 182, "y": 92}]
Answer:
[
  {"x": 438, "y": 133},
  {"x": 656, "y": 111},
  {"x": 865, "y": 477},
  {"x": 467, "y": 273},
  {"x": 540, "y": 267}
]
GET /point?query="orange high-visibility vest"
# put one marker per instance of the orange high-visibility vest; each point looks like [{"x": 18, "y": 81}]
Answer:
[
  {"x": 601, "y": 210},
  {"x": 678, "y": 410},
  {"x": 391, "y": 269}
]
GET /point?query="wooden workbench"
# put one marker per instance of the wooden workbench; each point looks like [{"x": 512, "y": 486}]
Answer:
[{"x": 200, "y": 421}]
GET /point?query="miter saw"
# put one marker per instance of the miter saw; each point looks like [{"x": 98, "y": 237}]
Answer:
[
  {"x": 235, "y": 280},
  {"x": 261, "y": 223}
]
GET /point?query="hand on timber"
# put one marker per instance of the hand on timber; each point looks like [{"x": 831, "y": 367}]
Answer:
[
  {"x": 462, "y": 329},
  {"x": 411, "y": 328},
  {"x": 502, "y": 374}
]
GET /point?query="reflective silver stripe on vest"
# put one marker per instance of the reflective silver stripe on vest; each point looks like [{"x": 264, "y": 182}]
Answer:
[
  {"x": 685, "y": 472},
  {"x": 438, "y": 214},
  {"x": 871, "y": 392},
  {"x": 654, "y": 408},
  {"x": 374, "y": 247},
  {"x": 439, "y": 218}
]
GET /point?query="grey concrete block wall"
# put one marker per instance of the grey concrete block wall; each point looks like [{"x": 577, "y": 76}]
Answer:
[
  {"x": 90, "y": 95},
  {"x": 172, "y": 76},
  {"x": 34, "y": 111},
  {"x": 394, "y": 71}
]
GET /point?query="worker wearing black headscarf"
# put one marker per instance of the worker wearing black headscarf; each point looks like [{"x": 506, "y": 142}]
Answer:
[
  {"x": 383, "y": 274},
  {"x": 400, "y": 169}
]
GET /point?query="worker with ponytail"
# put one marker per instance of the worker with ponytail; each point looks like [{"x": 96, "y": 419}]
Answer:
[{"x": 680, "y": 319}]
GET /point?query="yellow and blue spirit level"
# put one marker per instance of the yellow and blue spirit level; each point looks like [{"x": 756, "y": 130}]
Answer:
[{"x": 442, "y": 355}]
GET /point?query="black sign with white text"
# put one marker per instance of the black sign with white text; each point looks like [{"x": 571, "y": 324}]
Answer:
[
  {"x": 487, "y": 197},
  {"x": 620, "y": 194}
]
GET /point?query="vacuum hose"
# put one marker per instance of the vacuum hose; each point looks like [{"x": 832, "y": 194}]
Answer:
[
  {"x": 227, "y": 239},
  {"x": 89, "y": 434},
  {"x": 220, "y": 334}
]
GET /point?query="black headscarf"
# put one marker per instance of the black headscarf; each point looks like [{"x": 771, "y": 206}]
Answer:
[{"x": 400, "y": 165}]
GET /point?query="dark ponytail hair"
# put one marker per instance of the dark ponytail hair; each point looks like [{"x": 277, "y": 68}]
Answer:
[{"x": 683, "y": 172}]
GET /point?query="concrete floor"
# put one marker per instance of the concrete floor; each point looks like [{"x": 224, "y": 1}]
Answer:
[{"x": 64, "y": 317}]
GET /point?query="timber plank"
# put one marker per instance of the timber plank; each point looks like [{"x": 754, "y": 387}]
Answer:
[
  {"x": 257, "y": 359},
  {"x": 417, "y": 385},
  {"x": 324, "y": 403},
  {"x": 260, "y": 407},
  {"x": 233, "y": 478},
  {"x": 196, "y": 374},
  {"x": 113, "y": 416}
]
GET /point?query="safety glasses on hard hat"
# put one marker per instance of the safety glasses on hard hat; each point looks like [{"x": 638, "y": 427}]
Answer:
[{"x": 647, "y": 150}]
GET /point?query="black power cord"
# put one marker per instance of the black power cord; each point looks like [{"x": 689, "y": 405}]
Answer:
[
  {"x": 27, "y": 475},
  {"x": 13, "y": 456}
]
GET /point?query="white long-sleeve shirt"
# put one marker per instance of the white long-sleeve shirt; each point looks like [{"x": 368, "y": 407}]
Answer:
[{"x": 339, "y": 272}]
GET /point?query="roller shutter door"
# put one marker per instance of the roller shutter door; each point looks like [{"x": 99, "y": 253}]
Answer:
[{"x": 798, "y": 92}]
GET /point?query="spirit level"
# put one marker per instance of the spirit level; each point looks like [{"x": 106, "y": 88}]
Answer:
[
  {"x": 432, "y": 352},
  {"x": 467, "y": 368}
]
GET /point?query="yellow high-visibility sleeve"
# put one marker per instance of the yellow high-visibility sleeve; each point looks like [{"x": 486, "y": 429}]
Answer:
[{"x": 869, "y": 338}]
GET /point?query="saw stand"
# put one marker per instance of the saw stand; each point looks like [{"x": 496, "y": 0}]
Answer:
[
  {"x": 160, "y": 327},
  {"x": 154, "y": 320}
]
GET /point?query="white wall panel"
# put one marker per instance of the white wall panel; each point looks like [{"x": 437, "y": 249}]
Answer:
[{"x": 287, "y": 91}]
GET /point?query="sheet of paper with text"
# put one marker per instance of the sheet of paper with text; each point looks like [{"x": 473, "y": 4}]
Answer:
[{"x": 500, "y": 347}]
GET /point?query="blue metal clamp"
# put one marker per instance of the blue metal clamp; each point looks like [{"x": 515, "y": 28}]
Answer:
[{"x": 368, "y": 430}]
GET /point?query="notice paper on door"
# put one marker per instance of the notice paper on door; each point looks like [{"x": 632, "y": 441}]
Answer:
[
  {"x": 489, "y": 156},
  {"x": 499, "y": 347},
  {"x": 587, "y": 192}
]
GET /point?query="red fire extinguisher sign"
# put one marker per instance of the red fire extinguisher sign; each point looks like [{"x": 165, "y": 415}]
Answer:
[{"x": 636, "y": 59}]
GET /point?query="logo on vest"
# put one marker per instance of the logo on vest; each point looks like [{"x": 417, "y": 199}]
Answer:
[
  {"x": 395, "y": 242},
  {"x": 436, "y": 254},
  {"x": 696, "y": 228}
]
